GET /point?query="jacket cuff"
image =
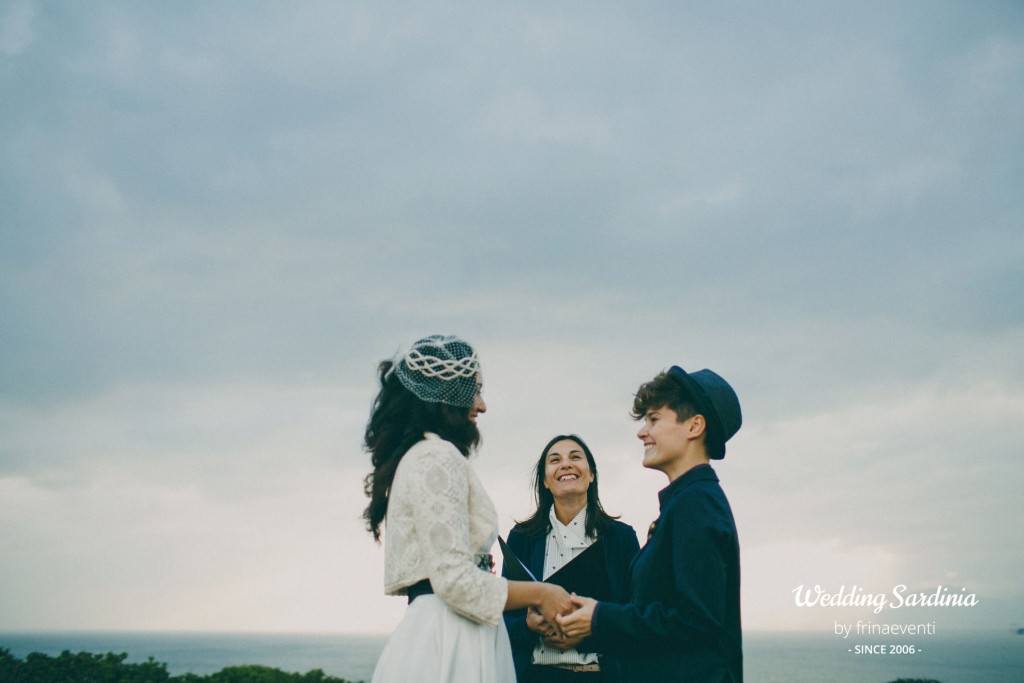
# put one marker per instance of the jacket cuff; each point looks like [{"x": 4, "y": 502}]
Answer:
[{"x": 602, "y": 627}]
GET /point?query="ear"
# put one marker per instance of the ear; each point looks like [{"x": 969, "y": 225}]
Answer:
[{"x": 698, "y": 425}]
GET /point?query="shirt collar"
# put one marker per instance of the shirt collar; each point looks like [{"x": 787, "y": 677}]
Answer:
[{"x": 575, "y": 531}]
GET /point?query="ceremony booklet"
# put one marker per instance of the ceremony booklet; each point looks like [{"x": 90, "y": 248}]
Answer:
[{"x": 585, "y": 575}]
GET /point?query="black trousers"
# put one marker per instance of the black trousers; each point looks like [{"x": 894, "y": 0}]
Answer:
[{"x": 552, "y": 674}]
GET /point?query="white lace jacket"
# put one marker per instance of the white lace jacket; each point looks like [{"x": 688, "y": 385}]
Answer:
[{"x": 439, "y": 517}]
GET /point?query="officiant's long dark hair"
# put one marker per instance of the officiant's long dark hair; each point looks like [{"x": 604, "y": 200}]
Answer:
[
  {"x": 398, "y": 420},
  {"x": 539, "y": 524}
]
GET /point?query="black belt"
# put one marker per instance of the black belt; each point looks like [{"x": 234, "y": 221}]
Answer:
[
  {"x": 423, "y": 587},
  {"x": 419, "y": 588}
]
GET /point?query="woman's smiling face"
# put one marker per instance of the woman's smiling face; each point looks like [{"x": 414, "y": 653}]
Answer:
[{"x": 566, "y": 470}]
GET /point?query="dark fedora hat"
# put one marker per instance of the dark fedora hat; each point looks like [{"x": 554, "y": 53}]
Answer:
[{"x": 716, "y": 401}]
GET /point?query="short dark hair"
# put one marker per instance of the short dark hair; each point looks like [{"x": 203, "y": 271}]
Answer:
[
  {"x": 663, "y": 392},
  {"x": 539, "y": 524}
]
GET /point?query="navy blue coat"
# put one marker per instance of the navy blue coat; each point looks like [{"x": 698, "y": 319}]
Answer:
[
  {"x": 682, "y": 620},
  {"x": 621, "y": 546}
]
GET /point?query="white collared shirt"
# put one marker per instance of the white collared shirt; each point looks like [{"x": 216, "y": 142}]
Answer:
[{"x": 565, "y": 542}]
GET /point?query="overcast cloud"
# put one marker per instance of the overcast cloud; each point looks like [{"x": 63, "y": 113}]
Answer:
[{"x": 218, "y": 217}]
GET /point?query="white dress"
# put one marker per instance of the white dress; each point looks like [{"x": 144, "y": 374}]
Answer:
[{"x": 439, "y": 521}]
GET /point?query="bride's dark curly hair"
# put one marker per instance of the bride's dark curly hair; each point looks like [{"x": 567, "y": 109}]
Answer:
[{"x": 398, "y": 420}]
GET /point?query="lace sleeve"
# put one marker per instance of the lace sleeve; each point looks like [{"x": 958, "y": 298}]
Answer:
[{"x": 440, "y": 503}]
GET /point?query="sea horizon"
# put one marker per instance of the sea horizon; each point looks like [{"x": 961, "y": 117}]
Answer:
[{"x": 968, "y": 655}]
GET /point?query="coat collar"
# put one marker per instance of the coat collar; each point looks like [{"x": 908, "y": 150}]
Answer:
[{"x": 702, "y": 472}]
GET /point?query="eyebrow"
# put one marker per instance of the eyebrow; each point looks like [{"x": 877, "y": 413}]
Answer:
[{"x": 554, "y": 453}]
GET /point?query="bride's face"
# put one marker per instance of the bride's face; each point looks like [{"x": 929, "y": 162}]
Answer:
[{"x": 479, "y": 406}]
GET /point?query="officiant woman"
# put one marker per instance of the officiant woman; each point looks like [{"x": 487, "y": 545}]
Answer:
[{"x": 569, "y": 518}]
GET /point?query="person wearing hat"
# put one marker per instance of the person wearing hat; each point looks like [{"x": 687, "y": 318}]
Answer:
[
  {"x": 440, "y": 523},
  {"x": 682, "y": 622}
]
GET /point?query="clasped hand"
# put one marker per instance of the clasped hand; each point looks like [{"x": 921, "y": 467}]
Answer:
[
  {"x": 576, "y": 623},
  {"x": 550, "y": 633},
  {"x": 570, "y": 626}
]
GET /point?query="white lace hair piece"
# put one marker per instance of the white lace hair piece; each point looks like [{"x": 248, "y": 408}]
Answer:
[
  {"x": 440, "y": 369},
  {"x": 443, "y": 369}
]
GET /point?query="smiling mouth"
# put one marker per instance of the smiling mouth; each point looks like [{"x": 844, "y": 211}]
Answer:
[{"x": 568, "y": 477}]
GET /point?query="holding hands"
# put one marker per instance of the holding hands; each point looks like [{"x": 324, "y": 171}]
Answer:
[
  {"x": 554, "y": 601},
  {"x": 576, "y": 624},
  {"x": 545, "y": 601},
  {"x": 562, "y": 620},
  {"x": 553, "y": 637}
]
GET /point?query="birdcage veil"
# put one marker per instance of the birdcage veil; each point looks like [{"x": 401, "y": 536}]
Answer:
[{"x": 440, "y": 369}]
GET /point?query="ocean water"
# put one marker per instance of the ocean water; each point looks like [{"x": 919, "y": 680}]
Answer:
[{"x": 967, "y": 657}]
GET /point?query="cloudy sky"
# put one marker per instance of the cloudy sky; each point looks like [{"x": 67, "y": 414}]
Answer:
[{"x": 218, "y": 217}]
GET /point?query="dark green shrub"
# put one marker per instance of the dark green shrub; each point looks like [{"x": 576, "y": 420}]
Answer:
[
  {"x": 111, "y": 668},
  {"x": 82, "y": 667}
]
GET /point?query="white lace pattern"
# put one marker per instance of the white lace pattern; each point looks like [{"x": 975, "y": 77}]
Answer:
[{"x": 439, "y": 517}]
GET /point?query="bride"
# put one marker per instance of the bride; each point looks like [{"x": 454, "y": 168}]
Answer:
[{"x": 440, "y": 523}]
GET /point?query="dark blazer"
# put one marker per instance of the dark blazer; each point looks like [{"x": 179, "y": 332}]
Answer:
[
  {"x": 682, "y": 621},
  {"x": 621, "y": 546}
]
